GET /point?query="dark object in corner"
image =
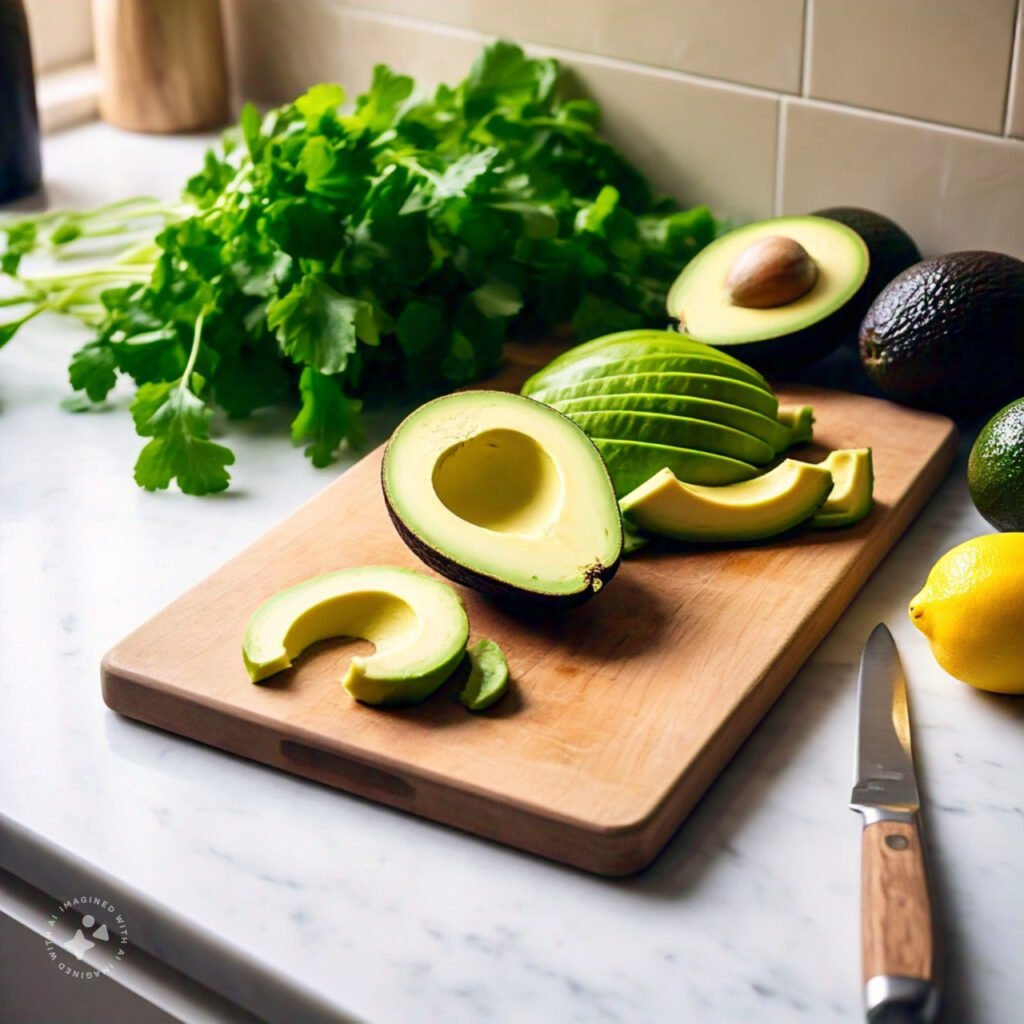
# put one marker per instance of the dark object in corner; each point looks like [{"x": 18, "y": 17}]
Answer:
[{"x": 20, "y": 163}]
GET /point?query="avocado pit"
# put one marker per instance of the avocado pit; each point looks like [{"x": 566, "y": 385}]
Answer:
[{"x": 773, "y": 271}]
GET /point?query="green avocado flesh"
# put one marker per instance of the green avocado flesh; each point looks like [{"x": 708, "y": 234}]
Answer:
[
  {"x": 506, "y": 495},
  {"x": 596, "y": 367},
  {"x": 697, "y": 385},
  {"x": 851, "y": 497},
  {"x": 628, "y": 344},
  {"x": 768, "y": 430},
  {"x": 799, "y": 421},
  {"x": 630, "y": 463},
  {"x": 995, "y": 470},
  {"x": 417, "y": 625},
  {"x": 676, "y": 431},
  {"x": 782, "y": 336},
  {"x": 750, "y": 510},
  {"x": 488, "y": 676}
]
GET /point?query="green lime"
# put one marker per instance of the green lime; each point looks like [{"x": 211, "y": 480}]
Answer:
[{"x": 995, "y": 470}]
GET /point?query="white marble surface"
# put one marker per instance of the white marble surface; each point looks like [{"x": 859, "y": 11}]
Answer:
[{"x": 749, "y": 915}]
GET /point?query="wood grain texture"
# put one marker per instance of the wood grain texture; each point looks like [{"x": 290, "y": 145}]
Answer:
[
  {"x": 621, "y": 713},
  {"x": 162, "y": 64},
  {"x": 897, "y": 932}
]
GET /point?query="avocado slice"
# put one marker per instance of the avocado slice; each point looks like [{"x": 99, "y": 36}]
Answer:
[
  {"x": 417, "y": 625},
  {"x": 677, "y": 431},
  {"x": 488, "y": 676},
  {"x": 630, "y": 463},
  {"x": 799, "y": 422},
  {"x": 995, "y": 469},
  {"x": 506, "y": 495},
  {"x": 788, "y": 335},
  {"x": 628, "y": 344},
  {"x": 596, "y": 367},
  {"x": 948, "y": 334},
  {"x": 854, "y": 479},
  {"x": 767, "y": 429},
  {"x": 698, "y": 385},
  {"x": 750, "y": 510}
]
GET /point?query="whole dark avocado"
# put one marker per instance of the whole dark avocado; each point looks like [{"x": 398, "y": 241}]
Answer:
[
  {"x": 995, "y": 470},
  {"x": 890, "y": 248},
  {"x": 948, "y": 333}
]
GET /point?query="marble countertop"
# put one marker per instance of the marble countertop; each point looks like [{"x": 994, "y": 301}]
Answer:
[{"x": 313, "y": 905}]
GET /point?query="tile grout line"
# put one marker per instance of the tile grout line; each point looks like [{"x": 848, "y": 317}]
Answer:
[
  {"x": 1015, "y": 57},
  {"x": 780, "y": 155},
  {"x": 805, "y": 50}
]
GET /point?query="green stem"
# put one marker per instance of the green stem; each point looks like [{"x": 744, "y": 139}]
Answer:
[{"x": 183, "y": 384}]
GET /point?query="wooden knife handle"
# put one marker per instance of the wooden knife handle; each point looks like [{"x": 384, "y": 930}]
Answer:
[{"x": 897, "y": 926}]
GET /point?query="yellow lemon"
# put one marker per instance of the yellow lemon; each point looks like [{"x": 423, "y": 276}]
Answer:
[{"x": 972, "y": 611}]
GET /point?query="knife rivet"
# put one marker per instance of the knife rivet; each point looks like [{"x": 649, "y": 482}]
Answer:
[{"x": 897, "y": 842}]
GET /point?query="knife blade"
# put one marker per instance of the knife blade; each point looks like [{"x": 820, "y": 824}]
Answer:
[{"x": 898, "y": 947}]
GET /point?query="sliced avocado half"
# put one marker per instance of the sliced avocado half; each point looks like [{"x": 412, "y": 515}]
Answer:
[
  {"x": 795, "y": 331},
  {"x": 417, "y": 625},
  {"x": 506, "y": 495},
  {"x": 697, "y": 385},
  {"x": 655, "y": 428},
  {"x": 750, "y": 510},
  {"x": 766, "y": 428},
  {"x": 851, "y": 498},
  {"x": 630, "y": 463}
]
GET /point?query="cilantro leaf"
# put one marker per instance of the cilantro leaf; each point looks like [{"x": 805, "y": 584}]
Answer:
[
  {"x": 93, "y": 370},
  {"x": 326, "y": 419},
  {"x": 178, "y": 423},
  {"x": 318, "y": 327}
]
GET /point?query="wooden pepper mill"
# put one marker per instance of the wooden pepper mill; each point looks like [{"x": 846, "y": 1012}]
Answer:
[{"x": 162, "y": 64}]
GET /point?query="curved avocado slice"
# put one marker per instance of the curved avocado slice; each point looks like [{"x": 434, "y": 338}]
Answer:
[
  {"x": 697, "y": 385},
  {"x": 851, "y": 498},
  {"x": 488, "y": 676},
  {"x": 630, "y": 463},
  {"x": 781, "y": 337},
  {"x": 767, "y": 429},
  {"x": 506, "y": 495},
  {"x": 417, "y": 625},
  {"x": 799, "y": 422},
  {"x": 654, "y": 428},
  {"x": 751, "y": 510}
]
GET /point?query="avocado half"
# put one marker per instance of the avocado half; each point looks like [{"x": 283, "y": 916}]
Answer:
[
  {"x": 776, "y": 338},
  {"x": 505, "y": 495}
]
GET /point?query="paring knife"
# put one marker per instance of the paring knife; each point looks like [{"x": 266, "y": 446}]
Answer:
[{"x": 898, "y": 946}]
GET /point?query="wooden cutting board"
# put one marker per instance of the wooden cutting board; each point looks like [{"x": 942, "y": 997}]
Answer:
[{"x": 623, "y": 711}]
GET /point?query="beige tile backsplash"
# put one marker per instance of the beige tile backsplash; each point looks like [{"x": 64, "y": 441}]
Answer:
[
  {"x": 911, "y": 107},
  {"x": 940, "y": 60}
]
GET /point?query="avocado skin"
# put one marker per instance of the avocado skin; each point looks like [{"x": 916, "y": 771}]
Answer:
[
  {"x": 948, "y": 333},
  {"x": 995, "y": 469},
  {"x": 890, "y": 249},
  {"x": 783, "y": 357}
]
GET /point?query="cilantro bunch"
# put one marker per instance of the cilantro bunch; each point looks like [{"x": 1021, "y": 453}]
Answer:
[{"x": 342, "y": 258}]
